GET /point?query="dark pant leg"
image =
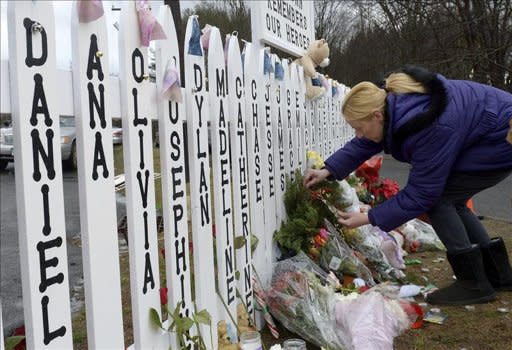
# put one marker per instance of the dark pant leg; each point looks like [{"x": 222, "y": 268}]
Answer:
[
  {"x": 456, "y": 226},
  {"x": 477, "y": 234}
]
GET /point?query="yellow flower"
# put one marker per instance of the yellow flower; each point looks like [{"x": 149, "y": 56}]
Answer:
[{"x": 315, "y": 161}]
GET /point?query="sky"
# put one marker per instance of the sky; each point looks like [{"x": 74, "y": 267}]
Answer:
[{"x": 62, "y": 13}]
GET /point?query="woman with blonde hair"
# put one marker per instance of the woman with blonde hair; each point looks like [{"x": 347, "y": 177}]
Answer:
[{"x": 453, "y": 133}]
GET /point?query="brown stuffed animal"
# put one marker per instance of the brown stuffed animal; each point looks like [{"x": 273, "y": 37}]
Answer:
[
  {"x": 224, "y": 342},
  {"x": 243, "y": 319},
  {"x": 316, "y": 55}
]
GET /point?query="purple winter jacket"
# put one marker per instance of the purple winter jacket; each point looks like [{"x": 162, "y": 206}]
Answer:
[{"x": 468, "y": 136}]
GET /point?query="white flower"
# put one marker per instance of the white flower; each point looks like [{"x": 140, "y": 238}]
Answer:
[
  {"x": 276, "y": 347},
  {"x": 350, "y": 296}
]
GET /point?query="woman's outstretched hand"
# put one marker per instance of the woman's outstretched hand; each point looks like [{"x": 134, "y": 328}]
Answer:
[
  {"x": 315, "y": 176},
  {"x": 352, "y": 220}
]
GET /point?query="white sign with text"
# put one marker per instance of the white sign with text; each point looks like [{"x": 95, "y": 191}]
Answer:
[{"x": 284, "y": 24}]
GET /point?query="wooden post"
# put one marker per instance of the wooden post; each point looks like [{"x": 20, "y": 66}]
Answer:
[
  {"x": 239, "y": 163},
  {"x": 197, "y": 107},
  {"x": 171, "y": 116},
  {"x": 39, "y": 187},
  {"x": 140, "y": 185},
  {"x": 93, "y": 115}
]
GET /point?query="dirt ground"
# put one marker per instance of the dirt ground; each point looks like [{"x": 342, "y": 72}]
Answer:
[{"x": 483, "y": 328}]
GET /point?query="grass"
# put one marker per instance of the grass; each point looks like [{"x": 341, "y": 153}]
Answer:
[{"x": 119, "y": 169}]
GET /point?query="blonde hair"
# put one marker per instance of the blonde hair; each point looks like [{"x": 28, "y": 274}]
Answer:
[{"x": 366, "y": 97}]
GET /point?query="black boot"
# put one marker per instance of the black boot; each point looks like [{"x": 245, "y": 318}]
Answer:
[
  {"x": 497, "y": 266},
  {"x": 471, "y": 286}
]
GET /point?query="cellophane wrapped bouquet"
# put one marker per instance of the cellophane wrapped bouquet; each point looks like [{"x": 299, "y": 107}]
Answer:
[
  {"x": 310, "y": 303},
  {"x": 420, "y": 237},
  {"x": 302, "y": 298},
  {"x": 338, "y": 257}
]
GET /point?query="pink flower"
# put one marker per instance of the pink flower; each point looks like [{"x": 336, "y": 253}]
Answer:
[{"x": 323, "y": 233}]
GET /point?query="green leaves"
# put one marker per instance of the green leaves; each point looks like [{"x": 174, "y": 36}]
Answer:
[
  {"x": 11, "y": 342},
  {"x": 155, "y": 318},
  {"x": 203, "y": 317},
  {"x": 239, "y": 242},
  {"x": 254, "y": 242},
  {"x": 181, "y": 325}
]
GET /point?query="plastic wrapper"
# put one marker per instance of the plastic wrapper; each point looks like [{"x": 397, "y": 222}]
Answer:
[
  {"x": 371, "y": 320},
  {"x": 391, "y": 249},
  {"x": 337, "y": 256},
  {"x": 420, "y": 237},
  {"x": 349, "y": 197},
  {"x": 302, "y": 298},
  {"x": 367, "y": 241}
]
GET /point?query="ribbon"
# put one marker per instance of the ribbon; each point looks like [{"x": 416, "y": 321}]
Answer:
[
  {"x": 89, "y": 10},
  {"x": 316, "y": 82},
  {"x": 325, "y": 82},
  {"x": 194, "y": 43},
  {"x": 205, "y": 37},
  {"x": 171, "y": 86},
  {"x": 149, "y": 27},
  {"x": 279, "y": 71},
  {"x": 260, "y": 299},
  {"x": 267, "y": 64}
]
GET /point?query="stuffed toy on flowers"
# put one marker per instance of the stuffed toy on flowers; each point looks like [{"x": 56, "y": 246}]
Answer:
[{"x": 317, "y": 55}]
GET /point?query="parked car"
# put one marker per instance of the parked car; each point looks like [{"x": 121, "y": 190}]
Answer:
[
  {"x": 67, "y": 142},
  {"x": 6, "y": 147},
  {"x": 117, "y": 136}
]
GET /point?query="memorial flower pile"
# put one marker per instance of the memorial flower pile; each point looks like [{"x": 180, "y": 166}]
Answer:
[
  {"x": 362, "y": 311},
  {"x": 309, "y": 302}
]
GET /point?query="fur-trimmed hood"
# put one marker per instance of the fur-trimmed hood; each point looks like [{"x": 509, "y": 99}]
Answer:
[{"x": 409, "y": 116}]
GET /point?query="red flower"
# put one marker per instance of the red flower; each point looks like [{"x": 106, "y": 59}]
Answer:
[
  {"x": 390, "y": 188},
  {"x": 163, "y": 295},
  {"x": 363, "y": 289},
  {"x": 22, "y": 345},
  {"x": 162, "y": 251},
  {"x": 315, "y": 195}
]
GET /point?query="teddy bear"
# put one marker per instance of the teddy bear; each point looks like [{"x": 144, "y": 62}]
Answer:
[
  {"x": 316, "y": 55},
  {"x": 243, "y": 319},
  {"x": 224, "y": 342}
]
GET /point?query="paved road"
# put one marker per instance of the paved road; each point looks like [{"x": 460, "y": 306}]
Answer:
[{"x": 494, "y": 202}]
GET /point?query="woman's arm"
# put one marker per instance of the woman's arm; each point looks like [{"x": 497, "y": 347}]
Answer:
[
  {"x": 345, "y": 160},
  {"x": 433, "y": 154}
]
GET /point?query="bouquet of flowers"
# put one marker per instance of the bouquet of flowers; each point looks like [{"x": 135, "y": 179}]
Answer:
[
  {"x": 367, "y": 241},
  {"x": 302, "y": 298},
  {"x": 379, "y": 188},
  {"x": 372, "y": 321},
  {"x": 306, "y": 211},
  {"x": 420, "y": 237},
  {"x": 338, "y": 257}
]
